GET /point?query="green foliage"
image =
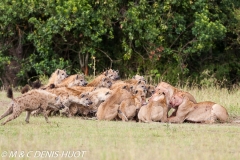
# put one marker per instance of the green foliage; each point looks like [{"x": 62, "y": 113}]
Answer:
[{"x": 176, "y": 39}]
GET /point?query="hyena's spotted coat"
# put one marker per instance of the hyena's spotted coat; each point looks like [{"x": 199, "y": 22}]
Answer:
[{"x": 29, "y": 102}]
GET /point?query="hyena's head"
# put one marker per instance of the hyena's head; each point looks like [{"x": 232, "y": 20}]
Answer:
[
  {"x": 85, "y": 99},
  {"x": 106, "y": 82},
  {"x": 150, "y": 90},
  {"x": 61, "y": 75},
  {"x": 55, "y": 102},
  {"x": 138, "y": 77},
  {"x": 141, "y": 84},
  {"x": 66, "y": 101},
  {"x": 114, "y": 75},
  {"x": 141, "y": 94},
  {"x": 79, "y": 80},
  {"x": 102, "y": 96}
]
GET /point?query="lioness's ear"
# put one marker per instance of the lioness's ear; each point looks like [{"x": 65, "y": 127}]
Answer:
[
  {"x": 104, "y": 79},
  {"x": 107, "y": 93},
  {"x": 139, "y": 82},
  {"x": 58, "y": 71},
  {"x": 57, "y": 98},
  {"x": 133, "y": 77},
  {"x": 136, "y": 91},
  {"x": 117, "y": 71},
  {"x": 124, "y": 87},
  {"x": 77, "y": 77}
]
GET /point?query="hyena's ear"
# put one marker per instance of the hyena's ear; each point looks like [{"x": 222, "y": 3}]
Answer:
[
  {"x": 52, "y": 86},
  {"x": 82, "y": 95},
  {"x": 139, "y": 82},
  {"x": 117, "y": 71},
  {"x": 136, "y": 92},
  {"x": 106, "y": 73},
  {"x": 131, "y": 87},
  {"x": 124, "y": 87},
  {"x": 25, "y": 89},
  {"x": 104, "y": 79},
  {"x": 107, "y": 93},
  {"x": 133, "y": 77},
  {"x": 57, "y": 98}
]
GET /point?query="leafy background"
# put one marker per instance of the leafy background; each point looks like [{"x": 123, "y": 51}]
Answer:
[{"x": 182, "y": 42}]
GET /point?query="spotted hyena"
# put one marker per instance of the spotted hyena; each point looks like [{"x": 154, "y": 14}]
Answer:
[{"x": 29, "y": 102}]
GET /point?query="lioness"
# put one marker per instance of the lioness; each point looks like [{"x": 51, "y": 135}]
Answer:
[
  {"x": 206, "y": 112},
  {"x": 154, "y": 110}
]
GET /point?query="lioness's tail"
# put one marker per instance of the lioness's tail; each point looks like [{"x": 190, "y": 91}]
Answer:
[{"x": 10, "y": 93}]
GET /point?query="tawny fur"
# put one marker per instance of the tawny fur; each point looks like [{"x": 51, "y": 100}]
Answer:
[
  {"x": 97, "y": 97},
  {"x": 83, "y": 89},
  {"x": 169, "y": 92},
  {"x": 204, "y": 112},
  {"x": 138, "y": 77},
  {"x": 25, "y": 89},
  {"x": 135, "y": 82},
  {"x": 150, "y": 90},
  {"x": 129, "y": 107},
  {"x": 108, "y": 110},
  {"x": 36, "y": 84},
  {"x": 57, "y": 77},
  {"x": 73, "y": 80},
  {"x": 100, "y": 81},
  {"x": 67, "y": 95},
  {"x": 29, "y": 102},
  {"x": 153, "y": 111},
  {"x": 81, "y": 109},
  {"x": 114, "y": 75},
  {"x": 123, "y": 85}
]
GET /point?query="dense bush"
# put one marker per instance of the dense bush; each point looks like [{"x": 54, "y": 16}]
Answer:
[{"x": 182, "y": 42}]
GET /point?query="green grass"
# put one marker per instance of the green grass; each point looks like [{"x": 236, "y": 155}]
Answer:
[{"x": 116, "y": 140}]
